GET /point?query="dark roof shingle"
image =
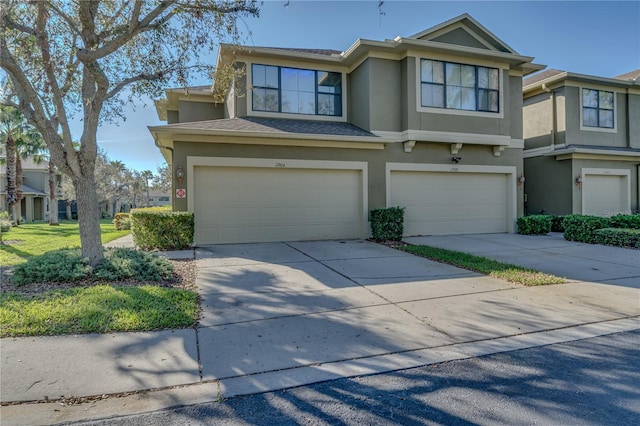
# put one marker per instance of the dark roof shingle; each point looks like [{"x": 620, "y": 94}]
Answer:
[
  {"x": 276, "y": 125},
  {"x": 540, "y": 76}
]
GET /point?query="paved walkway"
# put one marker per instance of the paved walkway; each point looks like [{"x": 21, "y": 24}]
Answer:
[{"x": 277, "y": 315}]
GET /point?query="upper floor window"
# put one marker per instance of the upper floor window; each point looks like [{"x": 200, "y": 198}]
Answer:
[
  {"x": 457, "y": 86},
  {"x": 296, "y": 91},
  {"x": 597, "y": 108}
]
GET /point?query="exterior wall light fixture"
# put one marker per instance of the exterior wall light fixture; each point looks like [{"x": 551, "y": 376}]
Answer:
[
  {"x": 180, "y": 175},
  {"x": 521, "y": 179},
  {"x": 579, "y": 181},
  {"x": 456, "y": 159}
]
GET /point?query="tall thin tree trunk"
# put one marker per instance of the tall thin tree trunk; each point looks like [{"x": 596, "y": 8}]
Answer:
[
  {"x": 19, "y": 187},
  {"x": 69, "y": 215},
  {"x": 12, "y": 195},
  {"x": 89, "y": 220},
  {"x": 53, "y": 202}
]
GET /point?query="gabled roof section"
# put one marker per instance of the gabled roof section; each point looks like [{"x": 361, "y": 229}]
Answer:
[
  {"x": 630, "y": 76},
  {"x": 464, "y": 31},
  {"x": 541, "y": 76}
]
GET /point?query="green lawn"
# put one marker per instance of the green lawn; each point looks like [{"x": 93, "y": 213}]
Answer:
[
  {"x": 504, "y": 271},
  {"x": 97, "y": 309},
  {"x": 32, "y": 239}
]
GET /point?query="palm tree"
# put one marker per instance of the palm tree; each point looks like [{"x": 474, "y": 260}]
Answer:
[
  {"x": 147, "y": 175},
  {"x": 21, "y": 141}
]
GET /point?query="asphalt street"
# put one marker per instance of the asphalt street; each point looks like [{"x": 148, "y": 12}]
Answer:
[{"x": 588, "y": 382}]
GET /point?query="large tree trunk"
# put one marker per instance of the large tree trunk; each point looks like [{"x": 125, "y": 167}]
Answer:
[
  {"x": 12, "y": 195},
  {"x": 89, "y": 220},
  {"x": 53, "y": 202},
  {"x": 69, "y": 215}
]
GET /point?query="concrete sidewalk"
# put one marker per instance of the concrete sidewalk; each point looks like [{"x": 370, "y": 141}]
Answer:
[{"x": 277, "y": 315}]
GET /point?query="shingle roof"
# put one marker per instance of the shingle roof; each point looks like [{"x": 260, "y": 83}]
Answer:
[
  {"x": 540, "y": 76},
  {"x": 275, "y": 126},
  {"x": 630, "y": 76}
]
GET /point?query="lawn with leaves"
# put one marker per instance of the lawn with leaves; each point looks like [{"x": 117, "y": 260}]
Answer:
[
  {"x": 504, "y": 271},
  {"x": 33, "y": 239},
  {"x": 97, "y": 309}
]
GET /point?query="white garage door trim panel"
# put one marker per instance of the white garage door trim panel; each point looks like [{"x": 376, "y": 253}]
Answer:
[
  {"x": 509, "y": 171},
  {"x": 278, "y": 163},
  {"x": 622, "y": 173}
]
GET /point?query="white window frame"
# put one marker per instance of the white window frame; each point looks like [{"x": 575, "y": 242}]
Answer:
[
  {"x": 451, "y": 111},
  {"x": 615, "y": 111}
]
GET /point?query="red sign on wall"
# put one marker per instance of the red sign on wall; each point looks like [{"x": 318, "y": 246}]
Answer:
[{"x": 181, "y": 193}]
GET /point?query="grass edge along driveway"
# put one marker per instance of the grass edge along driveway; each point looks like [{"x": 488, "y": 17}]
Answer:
[{"x": 504, "y": 271}]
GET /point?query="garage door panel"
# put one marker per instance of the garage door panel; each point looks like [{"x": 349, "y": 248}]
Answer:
[
  {"x": 604, "y": 195},
  {"x": 251, "y": 204},
  {"x": 451, "y": 203}
]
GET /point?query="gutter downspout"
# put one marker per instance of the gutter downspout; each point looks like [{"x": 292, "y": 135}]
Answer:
[{"x": 553, "y": 114}]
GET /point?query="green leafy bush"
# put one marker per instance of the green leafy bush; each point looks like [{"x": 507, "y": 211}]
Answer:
[
  {"x": 5, "y": 222},
  {"x": 581, "y": 227},
  {"x": 387, "y": 224},
  {"x": 160, "y": 229},
  {"x": 629, "y": 221},
  {"x": 534, "y": 225},
  {"x": 68, "y": 265},
  {"x": 122, "y": 221},
  {"x": 557, "y": 223},
  {"x": 123, "y": 263},
  {"x": 63, "y": 265},
  {"x": 620, "y": 237}
]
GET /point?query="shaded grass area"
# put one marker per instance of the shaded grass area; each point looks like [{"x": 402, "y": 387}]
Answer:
[
  {"x": 504, "y": 271},
  {"x": 32, "y": 239},
  {"x": 97, "y": 309}
]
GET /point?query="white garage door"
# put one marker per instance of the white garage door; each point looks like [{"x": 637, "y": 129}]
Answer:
[
  {"x": 604, "y": 195},
  {"x": 256, "y": 204},
  {"x": 440, "y": 203}
]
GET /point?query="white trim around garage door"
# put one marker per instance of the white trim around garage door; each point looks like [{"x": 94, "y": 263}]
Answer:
[
  {"x": 509, "y": 171},
  {"x": 279, "y": 163},
  {"x": 622, "y": 173}
]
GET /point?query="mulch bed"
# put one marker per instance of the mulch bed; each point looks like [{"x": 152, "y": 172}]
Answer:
[{"x": 183, "y": 277}]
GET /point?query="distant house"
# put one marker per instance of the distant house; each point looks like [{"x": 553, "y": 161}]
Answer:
[
  {"x": 309, "y": 141},
  {"x": 35, "y": 189},
  {"x": 582, "y": 143},
  {"x": 158, "y": 198}
]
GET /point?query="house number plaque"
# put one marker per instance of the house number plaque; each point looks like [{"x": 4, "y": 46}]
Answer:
[{"x": 281, "y": 165}]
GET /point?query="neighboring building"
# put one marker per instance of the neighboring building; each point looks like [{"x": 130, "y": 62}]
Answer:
[
  {"x": 157, "y": 198},
  {"x": 310, "y": 140},
  {"x": 35, "y": 189},
  {"x": 582, "y": 143}
]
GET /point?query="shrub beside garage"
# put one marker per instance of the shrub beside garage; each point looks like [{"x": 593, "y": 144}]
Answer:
[
  {"x": 619, "y": 230},
  {"x": 161, "y": 229}
]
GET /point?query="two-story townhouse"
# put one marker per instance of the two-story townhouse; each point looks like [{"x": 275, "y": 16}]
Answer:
[
  {"x": 35, "y": 189},
  {"x": 308, "y": 141},
  {"x": 582, "y": 143}
]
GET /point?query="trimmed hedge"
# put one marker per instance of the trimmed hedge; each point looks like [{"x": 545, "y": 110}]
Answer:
[
  {"x": 629, "y": 221},
  {"x": 580, "y": 228},
  {"x": 387, "y": 224},
  {"x": 160, "y": 229},
  {"x": 537, "y": 224},
  {"x": 620, "y": 237},
  {"x": 122, "y": 221}
]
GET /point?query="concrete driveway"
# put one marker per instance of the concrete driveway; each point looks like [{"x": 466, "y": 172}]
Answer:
[{"x": 285, "y": 314}]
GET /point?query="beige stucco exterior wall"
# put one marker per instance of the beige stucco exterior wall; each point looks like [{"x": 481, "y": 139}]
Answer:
[
  {"x": 376, "y": 159},
  {"x": 633, "y": 107},
  {"x": 538, "y": 122},
  {"x": 199, "y": 111},
  {"x": 359, "y": 107},
  {"x": 596, "y": 137}
]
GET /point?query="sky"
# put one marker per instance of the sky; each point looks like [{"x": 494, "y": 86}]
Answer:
[{"x": 600, "y": 38}]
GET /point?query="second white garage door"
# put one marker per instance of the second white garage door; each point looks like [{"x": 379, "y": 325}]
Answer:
[
  {"x": 440, "y": 203},
  {"x": 257, "y": 204},
  {"x": 605, "y": 194}
]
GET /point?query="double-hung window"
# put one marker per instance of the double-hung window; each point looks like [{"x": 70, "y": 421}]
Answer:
[
  {"x": 451, "y": 85},
  {"x": 295, "y": 90},
  {"x": 597, "y": 108}
]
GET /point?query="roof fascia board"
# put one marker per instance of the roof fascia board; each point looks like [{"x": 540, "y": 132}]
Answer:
[{"x": 565, "y": 77}]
